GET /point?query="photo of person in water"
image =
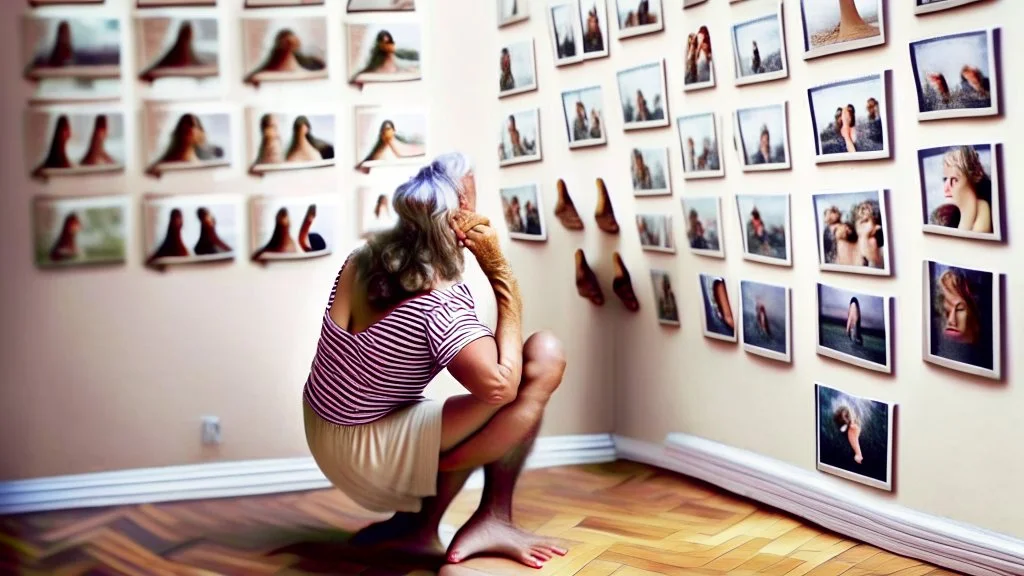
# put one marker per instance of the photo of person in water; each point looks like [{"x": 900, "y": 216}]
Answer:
[
  {"x": 75, "y": 231},
  {"x": 384, "y": 53},
  {"x": 190, "y": 228},
  {"x": 284, "y": 49},
  {"x": 717, "y": 316},
  {"x": 289, "y": 141},
  {"x": 186, "y": 137},
  {"x": 387, "y": 136},
  {"x": 854, "y": 437},
  {"x": 765, "y": 320},
  {"x": 74, "y": 140},
  {"x": 963, "y": 319},
  {"x": 178, "y": 48},
  {"x": 854, "y": 327},
  {"x": 291, "y": 228},
  {"x": 81, "y": 48}
]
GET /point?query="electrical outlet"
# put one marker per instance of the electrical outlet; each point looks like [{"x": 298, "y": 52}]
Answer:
[{"x": 211, "y": 430}]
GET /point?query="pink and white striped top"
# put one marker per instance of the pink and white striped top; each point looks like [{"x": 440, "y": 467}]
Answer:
[{"x": 359, "y": 378}]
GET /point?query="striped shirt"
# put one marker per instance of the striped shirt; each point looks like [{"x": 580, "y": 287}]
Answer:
[{"x": 362, "y": 377}]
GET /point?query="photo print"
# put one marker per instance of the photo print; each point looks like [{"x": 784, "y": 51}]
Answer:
[
  {"x": 702, "y": 150},
  {"x": 700, "y": 67},
  {"x": 642, "y": 96},
  {"x": 850, "y": 119},
  {"x": 565, "y": 32},
  {"x": 384, "y": 52},
  {"x": 389, "y": 136},
  {"x": 281, "y": 3},
  {"x": 956, "y": 75},
  {"x": 178, "y": 47},
  {"x": 703, "y": 217},
  {"x": 286, "y": 227},
  {"x": 287, "y": 140},
  {"x": 40, "y": 3},
  {"x": 764, "y": 220},
  {"x": 655, "y": 231},
  {"x": 519, "y": 138},
  {"x": 766, "y": 320},
  {"x": 376, "y": 201},
  {"x": 637, "y": 17},
  {"x": 80, "y": 231},
  {"x": 759, "y": 49},
  {"x": 852, "y": 232},
  {"x": 963, "y": 319},
  {"x": 664, "y": 298},
  {"x": 75, "y": 48},
  {"x": 74, "y": 140},
  {"x": 523, "y": 209},
  {"x": 718, "y": 321},
  {"x": 186, "y": 136},
  {"x": 929, "y": 6},
  {"x": 174, "y": 3},
  {"x": 692, "y": 3},
  {"x": 960, "y": 190},
  {"x": 277, "y": 49},
  {"x": 593, "y": 15},
  {"x": 855, "y": 327},
  {"x": 762, "y": 134},
  {"x": 841, "y": 26},
  {"x": 517, "y": 68},
  {"x": 186, "y": 229},
  {"x": 649, "y": 169},
  {"x": 512, "y": 11},
  {"x": 584, "y": 116},
  {"x": 854, "y": 437},
  {"x": 381, "y": 6}
]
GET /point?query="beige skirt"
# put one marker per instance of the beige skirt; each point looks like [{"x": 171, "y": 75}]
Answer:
[{"x": 385, "y": 466}]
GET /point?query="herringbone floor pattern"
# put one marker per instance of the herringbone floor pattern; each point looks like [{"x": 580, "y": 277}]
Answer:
[{"x": 620, "y": 519}]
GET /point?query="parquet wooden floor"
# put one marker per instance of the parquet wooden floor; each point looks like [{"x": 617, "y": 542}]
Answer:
[{"x": 621, "y": 519}]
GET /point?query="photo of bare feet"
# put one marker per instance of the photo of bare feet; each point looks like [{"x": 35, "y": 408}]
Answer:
[
  {"x": 74, "y": 140},
  {"x": 833, "y": 26},
  {"x": 565, "y": 210},
  {"x": 852, "y": 232},
  {"x": 587, "y": 285},
  {"x": 184, "y": 229},
  {"x": 622, "y": 284},
  {"x": 287, "y": 227},
  {"x": 604, "y": 213}
]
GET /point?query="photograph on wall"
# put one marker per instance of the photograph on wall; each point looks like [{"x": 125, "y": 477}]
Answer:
[
  {"x": 384, "y": 52},
  {"x": 281, "y": 3},
  {"x": 956, "y": 75},
  {"x": 664, "y": 298},
  {"x": 584, "y": 118},
  {"x": 38, "y": 3},
  {"x": 703, "y": 217},
  {"x": 766, "y": 320},
  {"x": 376, "y": 211},
  {"x": 852, "y": 231},
  {"x": 764, "y": 222},
  {"x": 963, "y": 319},
  {"x": 512, "y": 11},
  {"x": 700, "y": 67},
  {"x": 637, "y": 17},
  {"x": 643, "y": 97},
  {"x": 691, "y": 3},
  {"x": 72, "y": 47},
  {"x": 565, "y": 32},
  {"x": 655, "y": 231},
  {"x": 286, "y": 227},
  {"x": 177, "y": 47},
  {"x": 702, "y": 149},
  {"x": 174, "y": 3},
  {"x": 517, "y": 68},
  {"x": 381, "y": 5},
  {"x": 759, "y": 49},
  {"x": 650, "y": 173},
  {"x": 854, "y": 437},
  {"x": 855, "y": 327},
  {"x": 841, "y": 26},
  {"x": 593, "y": 16},
  {"x": 276, "y": 49},
  {"x": 762, "y": 135},
  {"x": 960, "y": 190},
  {"x": 186, "y": 229},
  {"x": 523, "y": 209},
  {"x": 929, "y": 6},
  {"x": 850, "y": 119},
  {"x": 74, "y": 140},
  {"x": 718, "y": 321},
  {"x": 76, "y": 231},
  {"x": 288, "y": 140},
  {"x": 388, "y": 136},
  {"x": 186, "y": 136},
  {"x": 519, "y": 138}
]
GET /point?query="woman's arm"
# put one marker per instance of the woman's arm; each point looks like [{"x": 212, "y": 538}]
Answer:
[{"x": 853, "y": 435}]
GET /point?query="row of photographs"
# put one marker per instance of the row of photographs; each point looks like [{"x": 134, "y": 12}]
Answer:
[{"x": 352, "y": 5}]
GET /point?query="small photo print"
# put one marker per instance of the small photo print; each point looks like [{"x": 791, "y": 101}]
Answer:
[
  {"x": 956, "y": 75},
  {"x": 70, "y": 141},
  {"x": 517, "y": 68},
  {"x": 185, "y": 229},
  {"x": 37, "y": 3},
  {"x": 186, "y": 136},
  {"x": 700, "y": 67},
  {"x": 178, "y": 48},
  {"x": 702, "y": 150},
  {"x": 565, "y": 32},
  {"x": 833, "y": 27},
  {"x": 850, "y": 120},
  {"x": 78, "y": 48},
  {"x": 649, "y": 169},
  {"x": 929, "y": 6},
  {"x": 717, "y": 316},
  {"x": 655, "y": 231},
  {"x": 281, "y": 3},
  {"x": 584, "y": 119},
  {"x": 765, "y": 310},
  {"x": 852, "y": 231},
  {"x": 384, "y": 52},
  {"x": 523, "y": 209},
  {"x": 519, "y": 138},
  {"x": 389, "y": 136},
  {"x": 593, "y": 15},
  {"x": 377, "y": 212},
  {"x": 692, "y": 3},
  {"x": 960, "y": 190},
  {"x": 763, "y": 137},
  {"x": 854, "y": 437},
  {"x": 637, "y": 17},
  {"x": 764, "y": 220},
  {"x": 281, "y": 140},
  {"x": 759, "y": 49},
  {"x": 703, "y": 216},
  {"x": 664, "y": 298},
  {"x": 643, "y": 97},
  {"x": 167, "y": 3},
  {"x": 276, "y": 49},
  {"x": 854, "y": 327},
  {"x": 512, "y": 11},
  {"x": 381, "y": 5},
  {"x": 80, "y": 231},
  {"x": 963, "y": 317},
  {"x": 286, "y": 227}
]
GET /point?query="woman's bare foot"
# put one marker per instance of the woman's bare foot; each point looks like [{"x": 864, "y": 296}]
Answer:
[
  {"x": 486, "y": 534},
  {"x": 586, "y": 281},
  {"x": 399, "y": 535},
  {"x": 622, "y": 285},
  {"x": 565, "y": 210},
  {"x": 604, "y": 214}
]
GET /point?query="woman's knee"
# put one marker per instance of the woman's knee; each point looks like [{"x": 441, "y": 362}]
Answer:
[{"x": 544, "y": 357}]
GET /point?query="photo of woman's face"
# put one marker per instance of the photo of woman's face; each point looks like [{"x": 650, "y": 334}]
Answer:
[
  {"x": 954, "y": 185},
  {"x": 960, "y": 324}
]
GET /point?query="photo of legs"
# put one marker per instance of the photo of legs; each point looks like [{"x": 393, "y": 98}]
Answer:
[
  {"x": 190, "y": 229},
  {"x": 293, "y": 227},
  {"x": 69, "y": 141}
]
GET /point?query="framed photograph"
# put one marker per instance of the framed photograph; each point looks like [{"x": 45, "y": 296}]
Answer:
[
  {"x": 81, "y": 230},
  {"x": 523, "y": 208},
  {"x": 71, "y": 47},
  {"x": 376, "y": 211},
  {"x": 593, "y": 15},
  {"x": 389, "y": 136},
  {"x": 279, "y": 49},
  {"x": 643, "y": 97},
  {"x": 764, "y": 220},
  {"x": 187, "y": 229},
  {"x": 762, "y": 137},
  {"x": 929, "y": 6},
  {"x": 700, "y": 67},
  {"x": 287, "y": 227},
  {"x": 854, "y": 437},
  {"x": 692, "y": 3},
  {"x": 703, "y": 217},
  {"x": 702, "y": 149},
  {"x": 178, "y": 47},
  {"x": 664, "y": 298},
  {"x": 74, "y": 140},
  {"x": 174, "y": 3},
  {"x": 290, "y": 140},
  {"x": 767, "y": 322},
  {"x": 960, "y": 190},
  {"x": 584, "y": 116},
  {"x": 855, "y": 327},
  {"x": 39, "y": 3},
  {"x": 519, "y": 138},
  {"x": 852, "y": 232},
  {"x": 839, "y": 134},
  {"x": 281, "y": 3},
  {"x": 512, "y": 11},
  {"x": 956, "y": 75},
  {"x": 655, "y": 231},
  {"x": 381, "y": 6},
  {"x": 650, "y": 172},
  {"x": 963, "y": 310},
  {"x": 186, "y": 136},
  {"x": 718, "y": 321},
  {"x": 384, "y": 52},
  {"x": 565, "y": 32},
  {"x": 759, "y": 49},
  {"x": 637, "y": 17},
  {"x": 834, "y": 27},
  {"x": 517, "y": 68}
]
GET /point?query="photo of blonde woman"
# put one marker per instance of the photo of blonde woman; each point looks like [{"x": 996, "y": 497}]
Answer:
[{"x": 959, "y": 190}]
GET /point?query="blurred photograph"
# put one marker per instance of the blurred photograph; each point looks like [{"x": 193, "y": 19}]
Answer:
[
  {"x": 524, "y": 212},
  {"x": 762, "y": 137},
  {"x": 700, "y": 68},
  {"x": 649, "y": 170},
  {"x": 389, "y": 136},
  {"x": 168, "y": 3},
  {"x": 376, "y": 210},
  {"x": 584, "y": 116},
  {"x": 187, "y": 229},
  {"x": 74, "y": 140},
  {"x": 381, "y": 5},
  {"x": 76, "y": 231},
  {"x": 286, "y": 227},
  {"x": 287, "y": 140},
  {"x": 956, "y": 75},
  {"x": 593, "y": 17},
  {"x": 517, "y": 68},
  {"x": 281, "y": 3},
  {"x": 637, "y": 17},
  {"x": 854, "y": 437},
  {"x": 850, "y": 119},
  {"x": 512, "y": 11},
  {"x": 963, "y": 311},
  {"x": 764, "y": 220},
  {"x": 703, "y": 217},
  {"x": 841, "y": 26},
  {"x": 960, "y": 190},
  {"x": 276, "y": 49},
  {"x": 929, "y": 6},
  {"x": 384, "y": 52},
  {"x": 642, "y": 96},
  {"x": 565, "y": 32},
  {"x": 759, "y": 49},
  {"x": 519, "y": 138},
  {"x": 186, "y": 136},
  {"x": 664, "y": 298},
  {"x": 854, "y": 327},
  {"x": 79, "y": 48},
  {"x": 717, "y": 317},
  {"x": 852, "y": 229},
  {"x": 655, "y": 231},
  {"x": 702, "y": 150},
  {"x": 766, "y": 321},
  {"x": 178, "y": 48}
]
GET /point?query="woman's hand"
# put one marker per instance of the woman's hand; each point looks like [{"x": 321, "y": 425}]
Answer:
[{"x": 474, "y": 231}]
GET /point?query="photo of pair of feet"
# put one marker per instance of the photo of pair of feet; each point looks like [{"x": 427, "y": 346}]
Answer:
[{"x": 589, "y": 288}]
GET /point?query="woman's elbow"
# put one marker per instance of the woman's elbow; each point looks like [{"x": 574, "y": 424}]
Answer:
[{"x": 502, "y": 394}]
